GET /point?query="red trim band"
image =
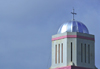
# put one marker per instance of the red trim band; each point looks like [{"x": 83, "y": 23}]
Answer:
[
  {"x": 73, "y": 36},
  {"x": 71, "y": 67}
]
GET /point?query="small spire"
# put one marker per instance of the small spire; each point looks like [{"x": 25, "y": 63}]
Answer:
[{"x": 73, "y": 13}]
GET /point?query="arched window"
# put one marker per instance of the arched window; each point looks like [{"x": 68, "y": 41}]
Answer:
[
  {"x": 71, "y": 52},
  {"x": 56, "y": 54},
  {"x": 85, "y": 52},
  {"x": 81, "y": 52},
  {"x": 59, "y": 53},
  {"x": 88, "y": 53},
  {"x": 62, "y": 53}
]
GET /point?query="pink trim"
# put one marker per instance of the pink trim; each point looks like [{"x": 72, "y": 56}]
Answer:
[
  {"x": 71, "y": 67},
  {"x": 66, "y": 36},
  {"x": 66, "y": 67},
  {"x": 76, "y": 67},
  {"x": 83, "y": 37},
  {"x": 72, "y": 36}
]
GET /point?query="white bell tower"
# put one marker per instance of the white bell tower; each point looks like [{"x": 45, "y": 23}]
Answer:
[{"x": 73, "y": 47}]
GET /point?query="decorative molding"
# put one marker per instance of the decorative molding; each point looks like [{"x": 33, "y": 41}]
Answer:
[
  {"x": 71, "y": 67},
  {"x": 73, "y": 36}
]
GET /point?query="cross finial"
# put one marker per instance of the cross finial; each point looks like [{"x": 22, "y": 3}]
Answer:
[{"x": 73, "y": 13}]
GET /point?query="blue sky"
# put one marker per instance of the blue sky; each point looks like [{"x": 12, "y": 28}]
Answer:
[{"x": 26, "y": 27}]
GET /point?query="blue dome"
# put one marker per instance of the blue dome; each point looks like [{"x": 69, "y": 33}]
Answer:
[{"x": 73, "y": 26}]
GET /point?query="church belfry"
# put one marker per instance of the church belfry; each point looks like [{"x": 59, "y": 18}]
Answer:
[{"x": 73, "y": 47}]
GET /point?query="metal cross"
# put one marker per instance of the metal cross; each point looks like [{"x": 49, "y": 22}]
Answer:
[{"x": 73, "y": 14}]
